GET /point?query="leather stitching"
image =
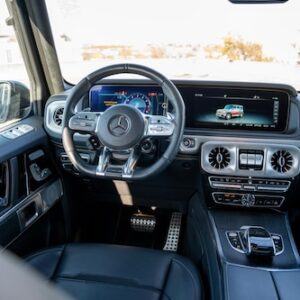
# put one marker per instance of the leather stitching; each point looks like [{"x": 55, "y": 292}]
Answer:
[
  {"x": 39, "y": 253},
  {"x": 166, "y": 281},
  {"x": 131, "y": 285},
  {"x": 58, "y": 262},
  {"x": 195, "y": 282}
]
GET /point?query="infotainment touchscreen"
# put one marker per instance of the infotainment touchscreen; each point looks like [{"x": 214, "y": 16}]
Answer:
[{"x": 239, "y": 109}]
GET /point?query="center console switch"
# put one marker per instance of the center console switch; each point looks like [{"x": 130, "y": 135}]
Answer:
[
  {"x": 251, "y": 159},
  {"x": 248, "y": 200},
  {"x": 249, "y": 184},
  {"x": 248, "y": 192},
  {"x": 255, "y": 241}
]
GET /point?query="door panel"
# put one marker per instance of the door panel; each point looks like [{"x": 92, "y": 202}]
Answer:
[{"x": 30, "y": 189}]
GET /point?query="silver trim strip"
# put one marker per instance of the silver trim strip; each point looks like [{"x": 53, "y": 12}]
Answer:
[
  {"x": 201, "y": 139},
  {"x": 250, "y": 186},
  {"x": 49, "y": 120}
]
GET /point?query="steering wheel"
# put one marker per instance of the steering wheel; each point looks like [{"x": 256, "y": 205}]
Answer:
[{"x": 121, "y": 128}]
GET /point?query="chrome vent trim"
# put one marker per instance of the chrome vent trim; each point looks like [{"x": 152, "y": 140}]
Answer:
[
  {"x": 58, "y": 116},
  {"x": 268, "y": 169},
  {"x": 50, "y": 121},
  {"x": 219, "y": 158},
  {"x": 282, "y": 161}
]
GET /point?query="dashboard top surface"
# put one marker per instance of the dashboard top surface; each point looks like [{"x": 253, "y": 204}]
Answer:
[{"x": 291, "y": 130}]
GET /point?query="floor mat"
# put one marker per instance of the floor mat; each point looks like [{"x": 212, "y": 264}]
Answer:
[{"x": 111, "y": 224}]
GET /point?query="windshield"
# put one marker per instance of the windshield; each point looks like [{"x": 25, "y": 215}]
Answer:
[{"x": 191, "y": 39}]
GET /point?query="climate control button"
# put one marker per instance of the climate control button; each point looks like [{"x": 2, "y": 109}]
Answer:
[{"x": 248, "y": 200}]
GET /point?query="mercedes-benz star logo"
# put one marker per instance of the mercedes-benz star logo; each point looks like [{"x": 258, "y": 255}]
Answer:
[{"x": 119, "y": 125}]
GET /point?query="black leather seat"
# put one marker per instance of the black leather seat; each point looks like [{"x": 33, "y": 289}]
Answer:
[{"x": 95, "y": 271}]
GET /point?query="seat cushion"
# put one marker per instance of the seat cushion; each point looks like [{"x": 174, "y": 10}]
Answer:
[{"x": 95, "y": 271}]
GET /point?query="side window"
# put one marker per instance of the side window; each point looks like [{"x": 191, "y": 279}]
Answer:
[{"x": 14, "y": 82}]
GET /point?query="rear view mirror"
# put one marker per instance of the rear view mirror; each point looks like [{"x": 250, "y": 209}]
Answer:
[
  {"x": 14, "y": 101},
  {"x": 257, "y": 1}
]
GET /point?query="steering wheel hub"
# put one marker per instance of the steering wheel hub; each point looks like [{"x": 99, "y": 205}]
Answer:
[{"x": 121, "y": 127}]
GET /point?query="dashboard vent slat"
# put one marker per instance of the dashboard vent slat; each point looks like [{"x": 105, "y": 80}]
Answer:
[
  {"x": 282, "y": 161},
  {"x": 219, "y": 158},
  {"x": 58, "y": 116}
]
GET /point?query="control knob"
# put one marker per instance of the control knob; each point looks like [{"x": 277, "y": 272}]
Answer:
[
  {"x": 248, "y": 200},
  {"x": 188, "y": 142}
]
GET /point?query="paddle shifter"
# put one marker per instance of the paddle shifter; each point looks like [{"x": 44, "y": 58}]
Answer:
[{"x": 255, "y": 241}]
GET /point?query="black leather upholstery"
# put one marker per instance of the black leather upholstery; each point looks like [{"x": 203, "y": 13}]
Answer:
[{"x": 92, "y": 271}]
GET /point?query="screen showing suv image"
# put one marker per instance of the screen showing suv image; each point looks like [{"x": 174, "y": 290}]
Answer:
[{"x": 230, "y": 111}]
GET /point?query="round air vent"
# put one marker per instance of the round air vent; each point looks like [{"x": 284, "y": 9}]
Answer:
[
  {"x": 219, "y": 158},
  {"x": 58, "y": 115},
  {"x": 282, "y": 161}
]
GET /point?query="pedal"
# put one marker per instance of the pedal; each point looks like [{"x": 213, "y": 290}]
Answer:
[
  {"x": 142, "y": 222},
  {"x": 174, "y": 232}
]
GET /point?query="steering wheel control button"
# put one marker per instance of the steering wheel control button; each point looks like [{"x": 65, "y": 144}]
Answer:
[
  {"x": 121, "y": 127},
  {"x": 160, "y": 129},
  {"x": 147, "y": 146},
  {"x": 94, "y": 142},
  {"x": 83, "y": 122},
  {"x": 160, "y": 126}
]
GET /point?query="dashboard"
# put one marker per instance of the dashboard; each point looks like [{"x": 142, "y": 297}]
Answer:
[
  {"x": 246, "y": 136},
  {"x": 216, "y": 108}
]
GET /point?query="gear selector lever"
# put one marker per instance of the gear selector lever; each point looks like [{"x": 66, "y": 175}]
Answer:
[{"x": 257, "y": 241}]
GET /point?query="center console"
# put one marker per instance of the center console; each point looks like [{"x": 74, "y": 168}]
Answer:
[
  {"x": 263, "y": 173},
  {"x": 249, "y": 143},
  {"x": 257, "y": 249}
]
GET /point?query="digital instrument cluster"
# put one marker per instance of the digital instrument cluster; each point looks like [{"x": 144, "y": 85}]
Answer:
[{"x": 148, "y": 99}]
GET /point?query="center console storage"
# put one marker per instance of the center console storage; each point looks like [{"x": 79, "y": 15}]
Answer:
[
  {"x": 249, "y": 253},
  {"x": 260, "y": 259},
  {"x": 248, "y": 283}
]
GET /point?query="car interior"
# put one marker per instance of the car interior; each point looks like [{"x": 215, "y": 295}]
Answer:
[{"x": 130, "y": 184}]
